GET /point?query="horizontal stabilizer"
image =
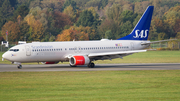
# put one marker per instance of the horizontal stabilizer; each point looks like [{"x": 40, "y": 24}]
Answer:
[{"x": 146, "y": 43}]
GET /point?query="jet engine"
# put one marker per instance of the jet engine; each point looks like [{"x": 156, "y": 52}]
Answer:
[{"x": 79, "y": 60}]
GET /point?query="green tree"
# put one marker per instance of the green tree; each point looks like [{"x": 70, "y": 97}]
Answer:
[
  {"x": 24, "y": 31},
  {"x": 70, "y": 12},
  {"x": 161, "y": 36},
  {"x": 70, "y": 2},
  {"x": 22, "y": 10},
  {"x": 178, "y": 35},
  {"x": 104, "y": 3},
  {"x": 107, "y": 26},
  {"x": 126, "y": 28},
  {"x": 94, "y": 12},
  {"x": 35, "y": 3},
  {"x": 6, "y": 9},
  {"x": 13, "y": 3},
  {"x": 87, "y": 19},
  {"x": 108, "y": 34},
  {"x": 52, "y": 38},
  {"x": 6, "y": 12},
  {"x": 100, "y": 4},
  {"x": 61, "y": 20},
  {"x": 114, "y": 13},
  {"x": 128, "y": 16},
  {"x": 1, "y": 2}
]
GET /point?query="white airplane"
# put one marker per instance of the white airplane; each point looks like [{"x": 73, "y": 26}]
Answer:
[{"x": 84, "y": 52}]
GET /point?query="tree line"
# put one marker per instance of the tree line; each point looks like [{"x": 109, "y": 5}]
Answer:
[{"x": 66, "y": 20}]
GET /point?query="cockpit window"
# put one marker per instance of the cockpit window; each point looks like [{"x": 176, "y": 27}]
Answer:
[{"x": 15, "y": 50}]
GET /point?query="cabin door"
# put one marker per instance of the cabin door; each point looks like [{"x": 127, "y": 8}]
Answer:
[{"x": 28, "y": 51}]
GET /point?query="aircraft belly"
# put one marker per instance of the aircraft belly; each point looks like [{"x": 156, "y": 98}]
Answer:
[{"x": 47, "y": 56}]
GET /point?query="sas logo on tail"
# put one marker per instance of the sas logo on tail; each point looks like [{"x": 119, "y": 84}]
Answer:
[{"x": 142, "y": 34}]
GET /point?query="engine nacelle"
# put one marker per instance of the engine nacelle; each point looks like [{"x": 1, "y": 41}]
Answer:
[
  {"x": 50, "y": 62},
  {"x": 79, "y": 60}
]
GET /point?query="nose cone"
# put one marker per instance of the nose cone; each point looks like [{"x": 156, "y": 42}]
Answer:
[{"x": 5, "y": 56}]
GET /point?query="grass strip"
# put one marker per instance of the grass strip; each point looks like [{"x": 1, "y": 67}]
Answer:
[{"x": 91, "y": 86}]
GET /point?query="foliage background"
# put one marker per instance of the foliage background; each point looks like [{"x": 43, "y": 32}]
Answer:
[{"x": 65, "y": 20}]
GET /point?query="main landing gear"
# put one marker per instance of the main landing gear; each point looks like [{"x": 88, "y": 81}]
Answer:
[
  {"x": 91, "y": 65},
  {"x": 19, "y": 66}
]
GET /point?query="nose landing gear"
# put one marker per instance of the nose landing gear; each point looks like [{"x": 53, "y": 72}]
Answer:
[{"x": 19, "y": 66}]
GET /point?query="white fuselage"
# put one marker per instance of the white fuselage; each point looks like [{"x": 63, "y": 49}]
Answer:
[{"x": 58, "y": 51}]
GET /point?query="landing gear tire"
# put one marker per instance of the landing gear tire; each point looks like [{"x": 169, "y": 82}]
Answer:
[
  {"x": 19, "y": 66},
  {"x": 91, "y": 65}
]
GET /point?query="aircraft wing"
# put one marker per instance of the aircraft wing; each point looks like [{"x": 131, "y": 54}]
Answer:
[
  {"x": 150, "y": 42},
  {"x": 111, "y": 55}
]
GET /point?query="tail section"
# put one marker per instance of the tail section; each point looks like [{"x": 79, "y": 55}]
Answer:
[{"x": 141, "y": 31}]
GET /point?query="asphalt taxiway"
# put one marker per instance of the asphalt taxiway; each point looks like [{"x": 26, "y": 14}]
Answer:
[{"x": 98, "y": 67}]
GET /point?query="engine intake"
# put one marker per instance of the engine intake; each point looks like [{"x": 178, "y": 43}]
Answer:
[{"x": 79, "y": 60}]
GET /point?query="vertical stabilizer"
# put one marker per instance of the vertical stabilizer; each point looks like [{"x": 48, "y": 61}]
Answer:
[{"x": 141, "y": 30}]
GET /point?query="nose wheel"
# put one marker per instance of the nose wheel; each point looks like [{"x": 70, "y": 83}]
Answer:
[{"x": 19, "y": 66}]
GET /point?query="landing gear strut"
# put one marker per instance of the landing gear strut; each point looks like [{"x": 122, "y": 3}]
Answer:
[
  {"x": 19, "y": 66},
  {"x": 91, "y": 65}
]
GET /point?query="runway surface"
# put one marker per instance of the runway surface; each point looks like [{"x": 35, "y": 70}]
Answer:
[{"x": 98, "y": 67}]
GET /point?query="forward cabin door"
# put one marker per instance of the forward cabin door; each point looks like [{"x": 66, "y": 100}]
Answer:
[{"x": 28, "y": 51}]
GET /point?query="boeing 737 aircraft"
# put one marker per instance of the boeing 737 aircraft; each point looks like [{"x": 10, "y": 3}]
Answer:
[{"x": 84, "y": 52}]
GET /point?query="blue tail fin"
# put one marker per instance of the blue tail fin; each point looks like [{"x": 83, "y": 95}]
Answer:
[{"x": 141, "y": 31}]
